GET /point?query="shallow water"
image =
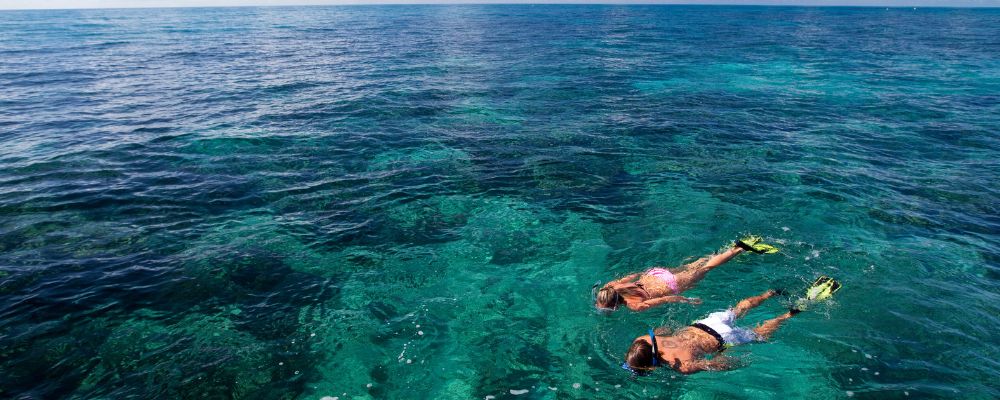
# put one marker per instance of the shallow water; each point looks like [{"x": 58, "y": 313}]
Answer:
[{"x": 414, "y": 201}]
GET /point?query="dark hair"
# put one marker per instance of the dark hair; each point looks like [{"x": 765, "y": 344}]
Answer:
[{"x": 640, "y": 357}]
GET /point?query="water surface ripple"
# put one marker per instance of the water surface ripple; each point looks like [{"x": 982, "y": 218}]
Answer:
[{"x": 413, "y": 201}]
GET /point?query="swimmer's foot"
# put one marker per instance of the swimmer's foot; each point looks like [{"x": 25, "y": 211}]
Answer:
[
  {"x": 822, "y": 289},
  {"x": 755, "y": 244}
]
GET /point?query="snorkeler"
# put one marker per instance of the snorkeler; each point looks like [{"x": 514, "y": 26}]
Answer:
[
  {"x": 685, "y": 350},
  {"x": 658, "y": 285}
]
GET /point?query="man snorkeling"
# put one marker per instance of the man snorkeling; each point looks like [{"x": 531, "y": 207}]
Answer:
[
  {"x": 685, "y": 351},
  {"x": 656, "y": 286}
]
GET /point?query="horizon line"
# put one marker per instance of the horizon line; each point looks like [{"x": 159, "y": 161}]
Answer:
[{"x": 568, "y": 3}]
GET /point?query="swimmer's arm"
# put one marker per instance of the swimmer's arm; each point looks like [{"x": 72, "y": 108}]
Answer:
[
  {"x": 717, "y": 363},
  {"x": 664, "y": 300},
  {"x": 624, "y": 280}
]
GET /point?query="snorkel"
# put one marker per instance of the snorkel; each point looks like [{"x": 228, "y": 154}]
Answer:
[
  {"x": 655, "y": 356},
  {"x": 656, "y": 351}
]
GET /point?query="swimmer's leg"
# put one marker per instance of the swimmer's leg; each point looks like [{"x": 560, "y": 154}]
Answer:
[
  {"x": 716, "y": 260},
  {"x": 767, "y": 328},
  {"x": 750, "y": 302},
  {"x": 692, "y": 265},
  {"x": 695, "y": 271}
]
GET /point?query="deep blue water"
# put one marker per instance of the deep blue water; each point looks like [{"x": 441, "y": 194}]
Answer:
[{"x": 413, "y": 201}]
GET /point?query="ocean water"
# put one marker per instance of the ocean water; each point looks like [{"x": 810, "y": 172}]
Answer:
[{"x": 409, "y": 202}]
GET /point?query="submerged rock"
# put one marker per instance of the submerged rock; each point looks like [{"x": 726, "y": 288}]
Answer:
[{"x": 194, "y": 357}]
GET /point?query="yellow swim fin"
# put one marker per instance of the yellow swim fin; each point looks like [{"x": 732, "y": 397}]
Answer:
[
  {"x": 756, "y": 244},
  {"x": 822, "y": 289}
]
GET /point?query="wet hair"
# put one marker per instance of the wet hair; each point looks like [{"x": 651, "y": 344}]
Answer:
[
  {"x": 640, "y": 357},
  {"x": 616, "y": 295},
  {"x": 609, "y": 298}
]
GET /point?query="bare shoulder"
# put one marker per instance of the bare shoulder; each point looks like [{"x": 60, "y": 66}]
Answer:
[{"x": 679, "y": 358}]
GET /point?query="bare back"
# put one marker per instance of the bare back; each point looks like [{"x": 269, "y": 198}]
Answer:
[{"x": 685, "y": 348}]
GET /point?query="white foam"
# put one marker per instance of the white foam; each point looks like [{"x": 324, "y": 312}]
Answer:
[
  {"x": 421, "y": 333},
  {"x": 518, "y": 392},
  {"x": 368, "y": 385},
  {"x": 786, "y": 229},
  {"x": 553, "y": 388},
  {"x": 850, "y": 393},
  {"x": 576, "y": 385}
]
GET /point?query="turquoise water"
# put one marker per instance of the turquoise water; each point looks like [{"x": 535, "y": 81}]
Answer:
[{"x": 414, "y": 201}]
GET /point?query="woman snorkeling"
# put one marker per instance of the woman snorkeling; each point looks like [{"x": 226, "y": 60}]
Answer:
[{"x": 656, "y": 286}]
